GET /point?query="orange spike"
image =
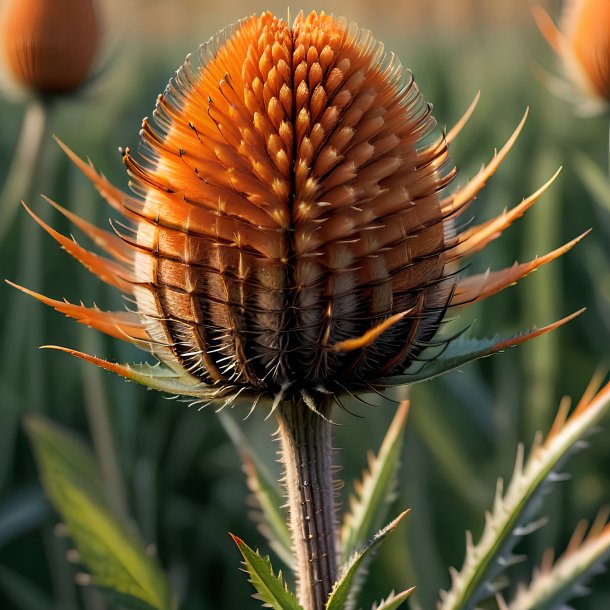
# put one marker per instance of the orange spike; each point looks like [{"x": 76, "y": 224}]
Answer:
[
  {"x": 537, "y": 332},
  {"x": 185, "y": 385},
  {"x": 369, "y": 336},
  {"x": 457, "y": 128},
  {"x": 476, "y": 238},
  {"x": 478, "y": 287},
  {"x": 109, "y": 192},
  {"x": 459, "y": 201},
  {"x": 123, "y": 325},
  {"x": 591, "y": 390},
  {"x": 107, "y": 270},
  {"x": 109, "y": 242},
  {"x": 547, "y": 27}
]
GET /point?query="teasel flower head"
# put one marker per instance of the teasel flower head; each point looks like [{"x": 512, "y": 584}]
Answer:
[
  {"x": 582, "y": 41},
  {"x": 291, "y": 229},
  {"x": 48, "y": 47}
]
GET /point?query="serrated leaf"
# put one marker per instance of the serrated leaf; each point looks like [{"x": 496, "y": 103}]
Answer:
[
  {"x": 341, "y": 594},
  {"x": 368, "y": 508},
  {"x": 272, "y": 590},
  {"x": 556, "y": 583},
  {"x": 265, "y": 490},
  {"x": 461, "y": 351},
  {"x": 513, "y": 511},
  {"x": 115, "y": 556},
  {"x": 393, "y": 601},
  {"x": 155, "y": 376}
]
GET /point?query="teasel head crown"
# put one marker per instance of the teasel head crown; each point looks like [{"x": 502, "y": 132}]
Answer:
[
  {"x": 292, "y": 229},
  {"x": 582, "y": 41},
  {"x": 49, "y": 47}
]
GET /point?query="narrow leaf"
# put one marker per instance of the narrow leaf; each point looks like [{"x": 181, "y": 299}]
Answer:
[
  {"x": 554, "y": 584},
  {"x": 115, "y": 556},
  {"x": 265, "y": 491},
  {"x": 272, "y": 590},
  {"x": 461, "y": 351},
  {"x": 341, "y": 594},
  {"x": 394, "y": 601},
  {"x": 513, "y": 511},
  {"x": 368, "y": 507}
]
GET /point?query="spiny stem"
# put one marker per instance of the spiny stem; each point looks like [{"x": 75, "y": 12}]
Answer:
[{"x": 306, "y": 444}]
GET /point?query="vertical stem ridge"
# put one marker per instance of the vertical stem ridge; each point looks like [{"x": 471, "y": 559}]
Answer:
[{"x": 306, "y": 443}]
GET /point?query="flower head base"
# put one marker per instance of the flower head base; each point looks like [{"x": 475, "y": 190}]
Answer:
[
  {"x": 49, "y": 46},
  {"x": 291, "y": 226},
  {"x": 583, "y": 44}
]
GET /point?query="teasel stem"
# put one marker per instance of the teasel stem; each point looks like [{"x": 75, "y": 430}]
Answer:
[
  {"x": 25, "y": 164},
  {"x": 306, "y": 446},
  {"x": 23, "y": 182}
]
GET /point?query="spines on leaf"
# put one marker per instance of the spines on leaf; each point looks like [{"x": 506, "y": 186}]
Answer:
[
  {"x": 514, "y": 509},
  {"x": 264, "y": 490},
  {"x": 368, "y": 507},
  {"x": 341, "y": 595},
  {"x": 271, "y": 589},
  {"x": 555, "y": 583}
]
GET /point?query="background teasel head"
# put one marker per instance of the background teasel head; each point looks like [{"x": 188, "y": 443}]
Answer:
[
  {"x": 49, "y": 47},
  {"x": 292, "y": 229},
  {"x": 583, "y": 44}
]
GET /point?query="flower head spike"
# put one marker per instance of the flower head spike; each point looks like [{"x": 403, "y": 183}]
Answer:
[
  {"x": 49, "y": 47},
  {"x": 291, "y": 225},
  {"x": 583, "y": 44}
]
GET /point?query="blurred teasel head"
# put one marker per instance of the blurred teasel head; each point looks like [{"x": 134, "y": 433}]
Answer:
[
  {"x": 49, "y": 45},
  {"x": 582, "y": 41},
  {"x": 292, "y": 229}
]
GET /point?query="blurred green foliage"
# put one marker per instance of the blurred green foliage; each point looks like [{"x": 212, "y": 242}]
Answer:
[{"x": 182, "y": 477}]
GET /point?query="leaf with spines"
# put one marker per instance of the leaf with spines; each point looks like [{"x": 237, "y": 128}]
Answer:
[
  {"x": 341, "y": 596},
  {"x": 264, "y": 490},
  {"x": 554, "y": 584},
  {"x": 271, "y": 589},
  {"x": 368, "y": 507},
  {"x": 513, "y": 511},
  {"x": 115, "y": 556},
  {"x": 461, "y": 351},
  {"x": 393, "y": 601}
]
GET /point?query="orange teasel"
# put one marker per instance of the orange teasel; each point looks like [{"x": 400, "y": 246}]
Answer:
[
  {"x": 291, "y": 228},
  {"x": 49, "y": 47},
  {"x": 583, "y": 44}
]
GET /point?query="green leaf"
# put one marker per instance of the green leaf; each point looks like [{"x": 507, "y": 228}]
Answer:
[
  {"x": 461, "y": 351},
  {"x": 514, "y": 509},
  {"x": 272, "y": 590},
  {"x": 341, "y": 595},
  {"x": 265, "y": 490},
  {"x": 368, "y": 508},
  {"x": 394, "y": 601},
  {"x": 114, "y": 554},
  {"x": 555, "y": 584}
]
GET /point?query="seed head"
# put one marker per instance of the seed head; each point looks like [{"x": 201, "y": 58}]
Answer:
[
  {"x": 291, "y": 226},
  {"x": 49, "y": 46},
  {"x": 583, "y": 44}
]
